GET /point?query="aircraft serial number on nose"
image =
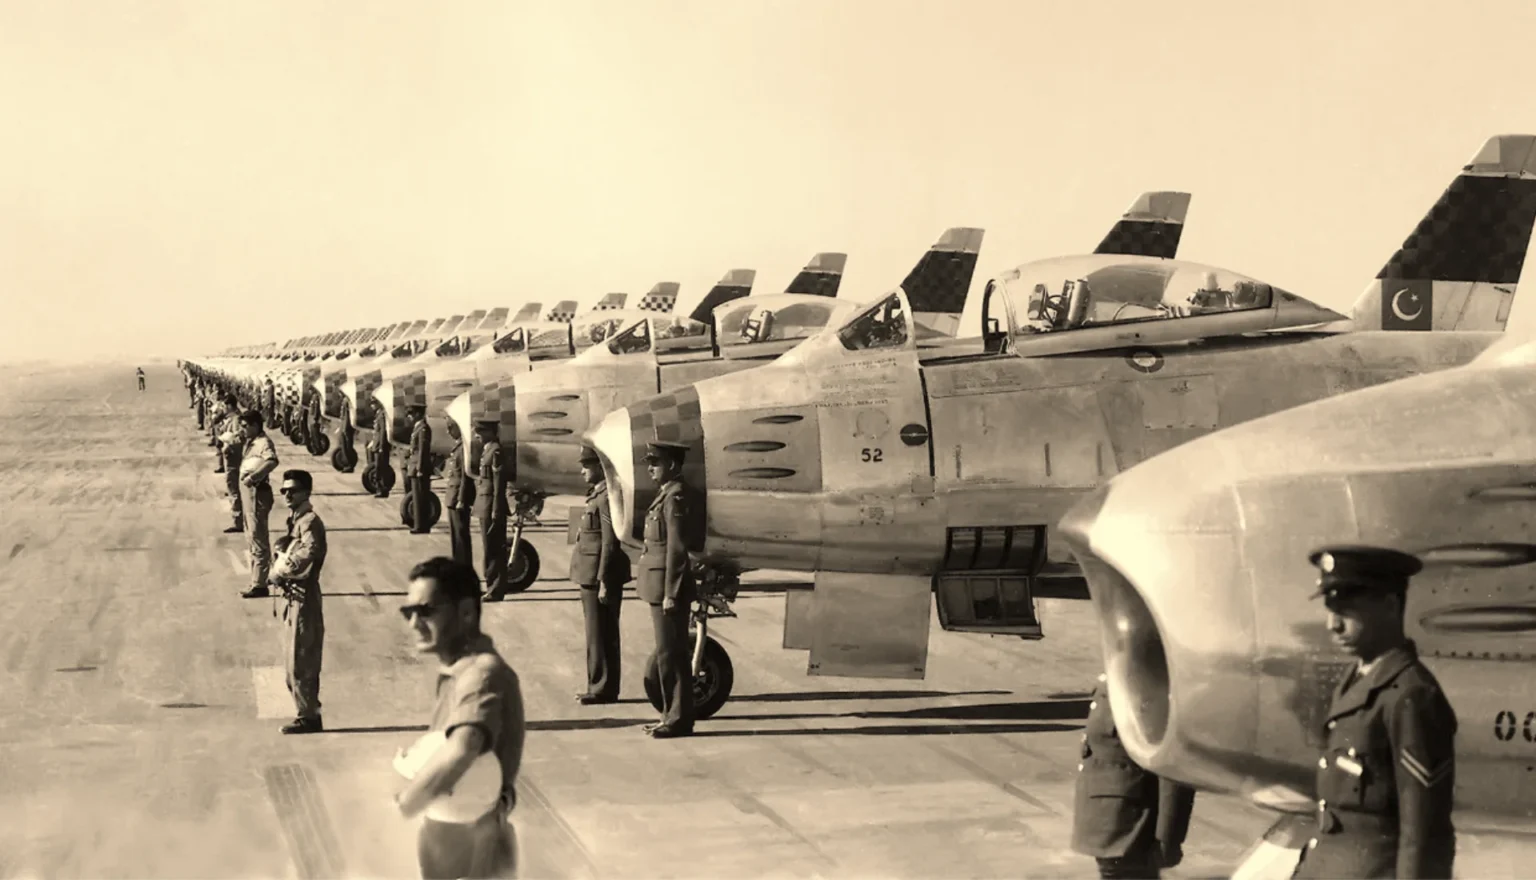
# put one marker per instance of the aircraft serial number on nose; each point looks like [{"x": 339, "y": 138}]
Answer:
[
  {"x": 868, "y": 454},
  {"x": 1506, "y": 724}
]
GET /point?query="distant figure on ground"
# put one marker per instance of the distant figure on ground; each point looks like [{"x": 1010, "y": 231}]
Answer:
[
  {"x": 458, "y": 496},
  {"x": 296, "y": 572},
  {"x": 479, "y": 709},
  {"x": 140, "y": 371},
  {"x": 378, "y": 450},
  {"x": 256, "y": 465},
  {"x": 665, "y": 582},
  {"x": 600, "y": 568},
  {"x": 491, "y": 509},
  {"x": 418, "y": 469}
]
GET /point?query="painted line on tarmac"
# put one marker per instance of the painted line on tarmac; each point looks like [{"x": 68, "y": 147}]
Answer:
[{"x": 270, "y": 686}]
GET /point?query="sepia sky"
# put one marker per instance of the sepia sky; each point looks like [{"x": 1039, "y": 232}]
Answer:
[{"x": 176, "y": 178}]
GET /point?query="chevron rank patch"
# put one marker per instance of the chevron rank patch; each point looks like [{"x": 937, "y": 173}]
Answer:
[{"x": 1423, "y": 774}]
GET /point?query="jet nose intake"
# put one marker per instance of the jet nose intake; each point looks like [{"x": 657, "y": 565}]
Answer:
[{"x": 621, "y": 440}]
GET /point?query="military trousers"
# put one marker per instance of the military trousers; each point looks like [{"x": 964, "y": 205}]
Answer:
[
  {"x": 483, "y": 849},
  {"x": 602, "y": 619},
  {"x": 303, "y": 649},
  {"x": 674, "y": 664},
  {"x": 458, "y": 535},
  {"x": 419, "y": 487},
  {"x": 257, "y": 506},
  {"x": 493, "y": 551},
  {"x": 231, "y": 462},
  {"x": 200, "y": 415}
]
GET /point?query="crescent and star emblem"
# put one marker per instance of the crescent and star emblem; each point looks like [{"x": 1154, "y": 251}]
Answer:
[{"x": 1397, "y": 306}]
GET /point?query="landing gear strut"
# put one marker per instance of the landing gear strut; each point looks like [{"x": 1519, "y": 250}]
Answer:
[
  {"x": 523, "y": 560},
  {"x": 713, "y": 674}
]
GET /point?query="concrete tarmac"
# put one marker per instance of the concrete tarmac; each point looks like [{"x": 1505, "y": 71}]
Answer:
[{"x": 140, "y": 699}]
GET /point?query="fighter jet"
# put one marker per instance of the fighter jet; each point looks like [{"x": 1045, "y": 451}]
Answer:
[
  {"x": 545, "y": 414},
  {"x": 1220, "y": 667},
  {"x": 897, "y": 473}
]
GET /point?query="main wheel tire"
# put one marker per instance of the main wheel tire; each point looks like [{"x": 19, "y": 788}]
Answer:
[
  {"x": 408, "y": 510},
  {"x": 322, "y": 442},
  {"x": 384, "y": 477},
  {"x": 711, "y": 687},
  {"x": 522, "y": 567},
  {"x": 369, "y": 483}
]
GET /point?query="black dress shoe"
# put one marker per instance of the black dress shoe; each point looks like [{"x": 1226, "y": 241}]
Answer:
[
  {"x": 594, "y": 699},
  {"x": 651, "y": 727},
  {"x": 662, "y": 731},
  {"x": 493, "y": 597},
  {"x": 233, "y": 530},
  {"x": 304, "y": 725},
  {"x": 256, "y": 593}
]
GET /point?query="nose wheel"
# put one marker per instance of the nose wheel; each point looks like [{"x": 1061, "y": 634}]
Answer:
[
  {"x": 711, "y": 682},
  {"x": 408, "y": 510},
  {"x": 380, "y": 478},
  {"x": 344, "y": 458},
  {"x": 523, "y": 563}
]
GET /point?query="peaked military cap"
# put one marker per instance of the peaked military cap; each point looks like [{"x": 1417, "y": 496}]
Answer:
[
  {"x": 662, "y": 449},
  {"x": 589, "y": 455},
  {"x": 1351, "y": 569}
]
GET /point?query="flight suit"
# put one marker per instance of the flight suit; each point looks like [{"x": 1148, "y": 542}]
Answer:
[
  {"x": 418, "y": 474},
  {"x": 491, "y": 508},
  {"x": 1386, "y": 777},
  {"x": 600, "y": 568},
  {"x": 1132, "y": 821},
  {"x": 665, "y": 573},
  {"x": 298, "y": 573},
  {"x": 259, "y": 461},
  {"x": 378, "y": 450}
]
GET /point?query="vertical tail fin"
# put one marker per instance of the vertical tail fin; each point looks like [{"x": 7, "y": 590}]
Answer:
[
  {"x": 937, "y": 287},
  {"x": 1460, "y": 267},
  {"x": 609, "y": 301},
  {"x": 661, "y": 298},
  {"x": 494, "y": 319},
  {"x": 1151, "y": 227},
  {"x": 736, "y": 284},
  {"x": 527, "y": 314},
  {"x": 822, "y": 276},
  {"x": 563, "y": 312}
]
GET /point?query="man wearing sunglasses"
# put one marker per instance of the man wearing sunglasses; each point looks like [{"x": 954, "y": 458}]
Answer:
[
  {"x": 479, "y": 709},
  {"x": 297, "y": 573}
]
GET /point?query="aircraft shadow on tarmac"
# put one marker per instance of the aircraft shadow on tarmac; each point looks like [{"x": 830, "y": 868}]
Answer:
[
  {"x": 1023, "y": 717},
  {"x": 340, "y": 494},
  {"x": 367, "y": 529}
]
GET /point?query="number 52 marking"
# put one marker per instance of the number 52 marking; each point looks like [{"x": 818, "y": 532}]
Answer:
[{"x": 868, "y": 454}]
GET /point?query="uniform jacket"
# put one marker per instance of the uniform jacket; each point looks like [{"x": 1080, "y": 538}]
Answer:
[
  {"x": 418, "y": 461},
  {"x": 490, "y": 483},
  {"x": 259, "y": 458},
  {"x": 301, "y": 564},
  {"x": 597, "y": 557},
  {"x": 380, "y": 442},
  {"x": 1119, "y": 806},
  {"x": 665, "y": 571},
  {"x": 1387, "y": 775},
  {"x": 459, "y": 492}
]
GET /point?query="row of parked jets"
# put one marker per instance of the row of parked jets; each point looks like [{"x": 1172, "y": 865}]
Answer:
[{"x": 1167, "y": 439}]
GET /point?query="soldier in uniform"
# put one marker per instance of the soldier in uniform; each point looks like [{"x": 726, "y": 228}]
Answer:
[
  {"x": 257, "y": 464},
  {"x": 600, "y": 568},
  {"x": 378, "y": 449},
  {"x": 1387, "y": 773},
  {"x": 491, "y": 509},
  {"x": 140, "y": 371},
  {"x": 418, "y": 469},
  {"x": 297, "y": 573},
  {"x": 665, "y": 582},
  {"x": 1131, "y": 821},
  {"x": 458, "y": 495},
  {"x": 231, "y": 442},
  {"x": 344, "y": 437}
]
